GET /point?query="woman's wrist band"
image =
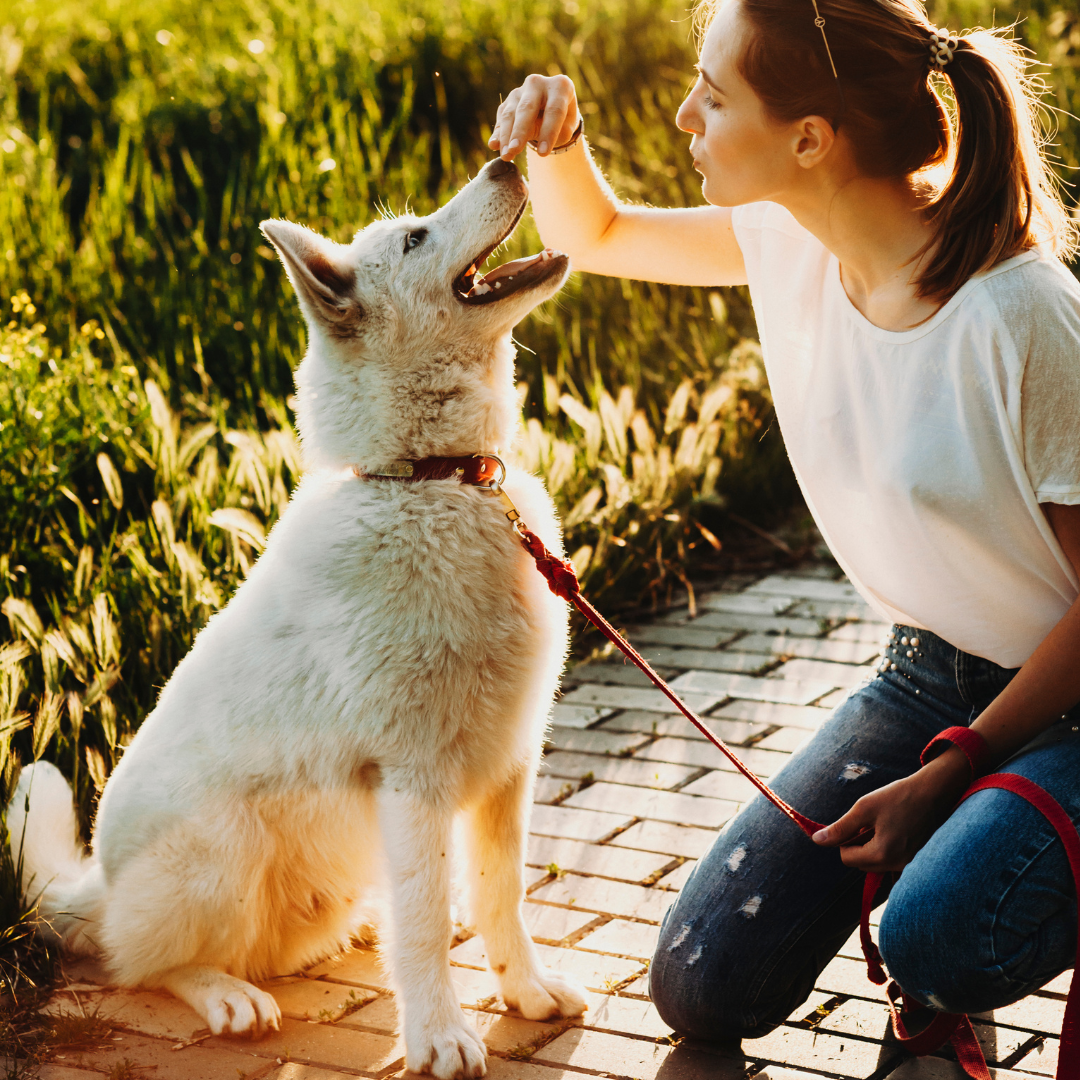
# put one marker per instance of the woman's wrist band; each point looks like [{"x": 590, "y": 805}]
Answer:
[
  {"x": 973, "y": 745},
  {"x": 566, "y": 145}
]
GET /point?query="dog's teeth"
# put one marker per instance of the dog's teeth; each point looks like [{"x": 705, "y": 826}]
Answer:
[
  {"x": 482, "y": 288},
  {"x": 498, "y": 284}
]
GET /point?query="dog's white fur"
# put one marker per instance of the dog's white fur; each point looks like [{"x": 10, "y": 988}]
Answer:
[{"x": 389, "y": 664}]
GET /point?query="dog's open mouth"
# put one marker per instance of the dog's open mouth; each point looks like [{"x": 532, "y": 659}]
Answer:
[{"x": 472, "y": 286}]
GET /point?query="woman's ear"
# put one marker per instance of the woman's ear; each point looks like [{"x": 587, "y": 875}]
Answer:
[
  {"x": 813, "y": 139},
  {"x": 324, "y": 281}
]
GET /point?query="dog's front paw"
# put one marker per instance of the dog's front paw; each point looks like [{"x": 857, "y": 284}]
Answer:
[
  {"x": 544, "y": 993},
  {"x": 242, "y": 1009},
  {"x": 454, "y": 1052}
]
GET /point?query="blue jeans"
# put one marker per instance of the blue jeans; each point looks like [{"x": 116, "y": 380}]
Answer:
[{"x": 983, "y": 915}]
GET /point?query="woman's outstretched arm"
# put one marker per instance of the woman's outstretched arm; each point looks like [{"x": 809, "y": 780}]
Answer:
[{"x": 577, "y": 212}]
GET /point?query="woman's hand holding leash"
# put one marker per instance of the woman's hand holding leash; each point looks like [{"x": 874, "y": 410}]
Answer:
[
  {"x": 885, "y": 829},
  {"x": 542, "y": 110}
]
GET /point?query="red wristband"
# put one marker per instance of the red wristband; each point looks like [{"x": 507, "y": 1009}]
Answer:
[{"x": 970, "y": 742}]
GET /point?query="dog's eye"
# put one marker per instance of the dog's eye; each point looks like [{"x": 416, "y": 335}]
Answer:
[{"x": 414, "y": 239}]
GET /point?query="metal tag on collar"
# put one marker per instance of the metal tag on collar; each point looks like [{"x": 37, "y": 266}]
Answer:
[{"x": 394, "y": 468}]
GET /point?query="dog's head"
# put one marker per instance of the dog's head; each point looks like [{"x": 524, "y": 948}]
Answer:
[{"x": 407, "y": 300}]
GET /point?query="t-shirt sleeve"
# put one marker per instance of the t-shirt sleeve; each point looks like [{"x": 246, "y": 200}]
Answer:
[{"x": 1050, "y": 394}]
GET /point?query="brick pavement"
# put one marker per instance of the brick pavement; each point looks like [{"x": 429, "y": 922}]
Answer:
[{"x": 628, "y": 797}]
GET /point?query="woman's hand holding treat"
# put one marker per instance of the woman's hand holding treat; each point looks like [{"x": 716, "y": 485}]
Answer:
[{"x": 542, "y": 110}]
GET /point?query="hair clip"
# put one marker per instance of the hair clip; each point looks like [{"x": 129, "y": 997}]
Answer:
[
  {"x": 942, "y": 47},
  {"x": 819, "y": 22}
]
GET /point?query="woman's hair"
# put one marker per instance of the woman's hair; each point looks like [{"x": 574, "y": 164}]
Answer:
[{"x": 998, "y": 196}]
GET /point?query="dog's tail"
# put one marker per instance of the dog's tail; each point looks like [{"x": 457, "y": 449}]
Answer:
[{"x": 59, "y": 881}]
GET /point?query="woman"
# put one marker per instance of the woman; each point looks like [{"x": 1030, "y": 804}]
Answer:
[{"x": 922, "y": 342}]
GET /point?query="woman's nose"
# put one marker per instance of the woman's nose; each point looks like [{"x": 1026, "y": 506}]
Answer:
[{"x": 688, "y": 118}]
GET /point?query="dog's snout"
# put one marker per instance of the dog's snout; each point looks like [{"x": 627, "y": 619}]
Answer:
[{"x": 498, "y": 167}]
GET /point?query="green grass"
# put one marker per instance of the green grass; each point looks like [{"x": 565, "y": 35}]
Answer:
[{"x": 148, "y": 335}]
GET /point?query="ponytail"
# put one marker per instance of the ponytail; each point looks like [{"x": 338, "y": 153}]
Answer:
[
  {"x": 1000, "y": 197},
  {"x": 991, "y": 192}
]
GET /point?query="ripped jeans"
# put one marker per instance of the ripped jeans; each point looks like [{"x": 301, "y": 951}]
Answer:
[{"x": 983, "y": 915}]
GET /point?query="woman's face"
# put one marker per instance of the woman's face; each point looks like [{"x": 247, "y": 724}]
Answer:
[{"x": 742, "y": 155}]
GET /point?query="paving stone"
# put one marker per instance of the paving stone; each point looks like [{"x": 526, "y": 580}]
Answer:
[
  {"x": 616, "y": 673},
  {"x": 606, "y": 897},
  {"x": 824, "y": 609},
  {"x": 1033, "y": 1013},
  {"x": 694, "y": 752},
  {"x": 641, "y": 1059},
  {"x": 605, "y": 860},
  {"x": 668, "y": 839},
  {"x": 823, "y": 671},
  {"x": 1042, "y": 1060},
  {"x": 294, "y": 1070},
  {"x": 677, "y": 878},
  {"x": 1059, "y": 984},
  {"x": 804, "y": 588},
  {"x": 732, "y": 732},
  {"x": 320, "y": 1044},
  {"x": 843, "y": 976},
  {"x": 50, "y": 1072},
  {"x": 694, "y": 636},
  {"x": 628, "y": 697},
  {"x": 623, "y": 938},
  {"x": 807, "y": 1049},
  {"x": 547, "y": 789},
  {"x": 932, "y": 1068},
  {"x": 652, "y": 774},
  {"x": 576, "y": 716},
  {"x": 745, "y": 603},
  {"x": 156, "y": 1058},
  {"x": 552, "y": 924},
  {"x": 844, "y": 652},
  {"x": 719, "y": 685},
  {"x": 596, "y": 971},
  {"x": 574, "y": 824},
  {"x": 500, "y": 1069},
  {"x": 507, "y": 1033},
  {"x": 615, "y": 1013},
  {"x": 788, "y": 740},
  {"x": 595, "y": 742},
  {"x": 314, "y": 999},
  {"x": 808, "y": 717},
  {"x": 719, "y": 784},
  {"x": 709, "y": 659},
  {"x": 382, "y": 1014},
  {"x": 150, "y": 1012},
  {"x": 670, "y": 806},
  {"x": 867, "y": 631},
  {"x": 837, "y": 697},
  {"x": 359, "y": 967},
  {"x": 726, "y": 622},
  {"x": 867, "y": 1019}
]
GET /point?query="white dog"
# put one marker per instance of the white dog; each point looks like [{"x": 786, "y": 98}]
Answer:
[{"x": 389, "y": 663}]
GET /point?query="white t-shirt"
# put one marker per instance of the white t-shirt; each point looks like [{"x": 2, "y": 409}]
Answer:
[{"x": 924, "y": 454}]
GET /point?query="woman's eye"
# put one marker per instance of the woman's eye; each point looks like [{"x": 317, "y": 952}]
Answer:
[
  {"x": 711, "y": 103},
  {"x": 414, "y": 239}
]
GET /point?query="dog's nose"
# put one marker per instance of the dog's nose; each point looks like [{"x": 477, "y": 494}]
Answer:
[{"x": 498, "y": 167}]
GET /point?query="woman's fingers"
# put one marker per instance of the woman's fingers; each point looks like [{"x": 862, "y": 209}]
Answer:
[
  {"x": 543, "y": 108},
  {"x": 842, "y": 831},
  {"x": 560, "y": 114}
]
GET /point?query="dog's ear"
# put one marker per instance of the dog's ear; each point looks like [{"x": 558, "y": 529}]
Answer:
[{"x": 324, "y": 283}]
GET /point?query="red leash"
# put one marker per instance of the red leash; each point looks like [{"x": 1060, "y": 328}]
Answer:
[{"x": 487, "y": 471}]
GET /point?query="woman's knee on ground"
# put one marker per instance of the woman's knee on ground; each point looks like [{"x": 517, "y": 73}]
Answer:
[{"x": 705, "y": 982}]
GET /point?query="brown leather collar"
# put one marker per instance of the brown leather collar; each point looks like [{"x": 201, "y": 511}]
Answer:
[{"x": 479, "y": 469}]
